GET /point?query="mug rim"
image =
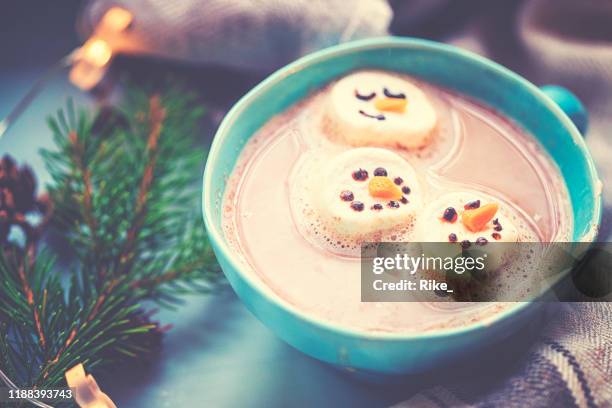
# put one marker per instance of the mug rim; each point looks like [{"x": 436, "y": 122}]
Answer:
[{"x": 217, "y": 238}]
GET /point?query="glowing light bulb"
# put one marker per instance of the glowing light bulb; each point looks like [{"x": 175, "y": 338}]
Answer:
[
  {"x": 86, "y": 390},
  {"x": 97, "y": 52},
  {"x": 117, "y": 19},
  {"x": 93, "y": 58}
]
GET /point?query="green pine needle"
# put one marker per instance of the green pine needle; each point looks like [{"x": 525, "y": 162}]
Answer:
[{"x": 119, "y": 195}]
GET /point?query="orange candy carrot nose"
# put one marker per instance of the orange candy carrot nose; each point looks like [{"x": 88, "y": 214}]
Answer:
[
  {"x": 476, "y": 219},
  {"x": 383, "y": 187},
  {"x": 390, "y": 104}
]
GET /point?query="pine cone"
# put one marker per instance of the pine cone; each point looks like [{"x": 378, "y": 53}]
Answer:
[{"x": 18, "y": 200}]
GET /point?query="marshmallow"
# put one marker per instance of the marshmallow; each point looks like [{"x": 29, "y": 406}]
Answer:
[
  {"x": 367, "y": 190},
  {"x": 374, "y": 108},
  {"x": 434, "y": 226}
]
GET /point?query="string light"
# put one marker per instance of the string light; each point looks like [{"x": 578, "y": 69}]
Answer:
[
  {"x": 117, "y": 19},
  {"x": 97, "y": 52},
  {"x": 87, "y": 394},
  {"x": 89, "y": 62},
  {"x": 94, "y": 56}
]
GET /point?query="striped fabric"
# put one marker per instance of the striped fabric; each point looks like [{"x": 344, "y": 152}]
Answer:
[{"x": 570, "y": 365}]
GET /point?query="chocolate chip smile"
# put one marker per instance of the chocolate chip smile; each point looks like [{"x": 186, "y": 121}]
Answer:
[{"x": 377, "y": 117}]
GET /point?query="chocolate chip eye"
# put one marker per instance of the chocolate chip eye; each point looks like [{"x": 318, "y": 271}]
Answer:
[
  {"x": 360, "y": 175},
  {"x": 450, "y": 215},
  {"x": 380, "y": 171},
  {"x": 390, "y": 94},
  {"x": 366, "y": 97},
  {"x": 472, "y": 205}
]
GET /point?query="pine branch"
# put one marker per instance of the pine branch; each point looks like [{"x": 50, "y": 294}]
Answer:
[
  {"x": 29, "y": 295},
  {"x": 156, "y": 117},
  {"x": 78, "y": 152},
  {"x": 147, "y": 173},
  {"x": 119, "y": 201}
]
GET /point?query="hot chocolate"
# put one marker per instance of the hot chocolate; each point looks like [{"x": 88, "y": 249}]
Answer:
[{"x": 379, "y": 156}]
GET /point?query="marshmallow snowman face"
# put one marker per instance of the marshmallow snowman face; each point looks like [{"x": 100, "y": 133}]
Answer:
[
  {"x": 367, "y": 190},
  {"x": 444, "y": 220},
  {"x": 374, "y": 108},
  {"x": 472, "y": 220}
]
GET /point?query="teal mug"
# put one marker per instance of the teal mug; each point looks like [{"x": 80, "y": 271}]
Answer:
[{"x": 540, "y": 112}]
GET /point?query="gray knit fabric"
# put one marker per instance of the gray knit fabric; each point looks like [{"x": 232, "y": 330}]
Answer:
[{"x": 256, "y": 35}]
